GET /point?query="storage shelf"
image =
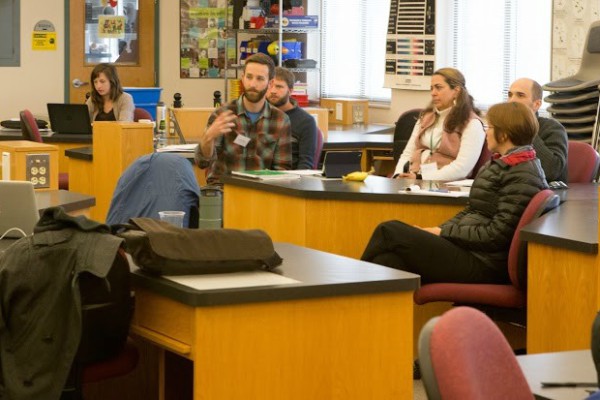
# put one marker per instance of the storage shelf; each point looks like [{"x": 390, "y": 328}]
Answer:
[{"x": 276, "y": 31}]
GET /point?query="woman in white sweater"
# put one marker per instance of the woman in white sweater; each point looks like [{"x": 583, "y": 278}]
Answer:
[{"x": 447, "y": 140}]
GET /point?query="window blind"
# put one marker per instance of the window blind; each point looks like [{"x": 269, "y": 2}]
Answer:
[{"x": 353, "y": 48}]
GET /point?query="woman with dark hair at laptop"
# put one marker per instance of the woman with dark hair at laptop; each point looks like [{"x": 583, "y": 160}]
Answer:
[{"x": 108, "y": 102}]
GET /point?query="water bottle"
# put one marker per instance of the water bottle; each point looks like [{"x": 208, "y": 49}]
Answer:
[
  {"x": 161, "y": 125},
  {"x": 217, "y": 98}
]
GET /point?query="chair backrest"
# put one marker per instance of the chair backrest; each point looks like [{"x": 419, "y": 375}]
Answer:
[
  {"x": 318, "y": 149},
  {"x": 539, "y": 204},
  {"x": 590, "y": 58},
  {"x": 141, "y": 113},
  {"x": 582, "y": 162},
  {"x": 464, "y": 355},
  {"x": 29, "y": 127},
  {"x": 484, "y": 157},
  {"x": 152, "y": 183},
  {"x": 404, "y": 127}
]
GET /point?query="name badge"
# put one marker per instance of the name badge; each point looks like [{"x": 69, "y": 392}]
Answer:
[
  {"x": 241, "y": 140},
  {"x": 428, "y": 169}
]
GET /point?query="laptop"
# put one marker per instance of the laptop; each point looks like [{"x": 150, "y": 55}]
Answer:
[
  {"x": 69, "y": 119},
  {"x": 18, "y": 208},
  {"x": 339, "y": 163}
]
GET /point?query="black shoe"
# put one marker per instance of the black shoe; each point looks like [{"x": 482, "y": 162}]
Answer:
[{"x": 416, "y": 370}]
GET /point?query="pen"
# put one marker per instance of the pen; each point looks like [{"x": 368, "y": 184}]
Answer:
[{"x": 568, "y": 384}]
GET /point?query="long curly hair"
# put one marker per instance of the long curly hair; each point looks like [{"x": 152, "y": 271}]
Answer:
[{"x": 464, "y": 105}]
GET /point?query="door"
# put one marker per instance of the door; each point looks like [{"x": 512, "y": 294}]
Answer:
[{"x": 117, "y": 31}]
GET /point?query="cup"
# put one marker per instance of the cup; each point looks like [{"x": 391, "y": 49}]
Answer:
[{"x": 172, "y": 217}]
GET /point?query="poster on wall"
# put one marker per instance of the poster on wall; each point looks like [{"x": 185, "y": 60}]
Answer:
[
  {"x": 206, "y": 45},
  {"x": 410, "y": 45}
]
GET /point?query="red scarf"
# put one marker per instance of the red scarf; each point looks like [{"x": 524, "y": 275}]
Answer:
[{"x": 517, "y": 157}]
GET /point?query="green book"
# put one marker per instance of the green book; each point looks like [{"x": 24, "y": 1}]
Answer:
[{"x": 266, "y": 174}]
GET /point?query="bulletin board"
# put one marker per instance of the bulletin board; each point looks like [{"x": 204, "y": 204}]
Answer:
[
  {"x": 410, "y": 45},
  {"x": 207, "y": 46},
  {"x": 571, "y": 21}
]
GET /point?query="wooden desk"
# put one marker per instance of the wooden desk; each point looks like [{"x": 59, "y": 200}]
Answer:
[
  {"x": 116, "y": 145},
  {"x": 72, "y": 202},
  {"x": 376, "y": 141},
  {"x": 343, "y": 332},
  {"x": 62, "y": 141},
  {"x": 329, "y": 215},
  {"x": 569, "y": 366},
  {"x": 563, "y": 289}
]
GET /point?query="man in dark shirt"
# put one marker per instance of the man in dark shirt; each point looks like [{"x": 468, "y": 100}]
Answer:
[
  {"x": 304, "y": 126},
  {"x": 550, "y": 143},
  {"x": 248, "y": 133}
]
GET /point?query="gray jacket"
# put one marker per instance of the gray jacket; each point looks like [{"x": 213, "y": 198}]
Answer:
[
  {"x": 499, "y": 195},
  {"x": 40, "y": 309}
]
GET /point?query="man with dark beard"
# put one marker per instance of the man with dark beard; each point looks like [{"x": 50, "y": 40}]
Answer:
[
  {"x": 248, "y": 133},
  {"x": 304, "y": 126}
]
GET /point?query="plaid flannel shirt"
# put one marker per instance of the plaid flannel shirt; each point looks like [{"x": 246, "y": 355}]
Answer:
[{"x": 270, "y": 145}]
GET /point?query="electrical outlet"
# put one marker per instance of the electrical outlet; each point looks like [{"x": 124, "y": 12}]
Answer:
[{"x": 38, "y": 170}]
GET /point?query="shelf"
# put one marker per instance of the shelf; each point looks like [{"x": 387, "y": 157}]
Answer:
[{"x": 276, "y": 30}]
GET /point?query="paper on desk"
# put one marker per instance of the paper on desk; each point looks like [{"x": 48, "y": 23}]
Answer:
[
  {"x": 190, "y": 147},
  {"x": 304, "y": 172},
  {"x": 435, "y": 193},
  {"x": 231, "y": 280},
  {"x": 464, "y": 182}
]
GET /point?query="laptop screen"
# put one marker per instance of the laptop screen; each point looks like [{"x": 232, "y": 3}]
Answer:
[
  {"x": 69, "y": 118},
  {"x": 339, "y": 163},
  {"x": 18, "y": 208}
]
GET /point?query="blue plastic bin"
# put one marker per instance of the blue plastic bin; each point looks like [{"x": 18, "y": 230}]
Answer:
[{"x": 145, "y": 97}]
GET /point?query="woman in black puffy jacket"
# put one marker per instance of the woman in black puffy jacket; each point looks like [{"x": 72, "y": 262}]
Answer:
[{"x": 472, "y": 247}]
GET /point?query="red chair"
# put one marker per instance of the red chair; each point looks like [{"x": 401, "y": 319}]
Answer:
[
  {"x": 504, "y": 302},
  {"x": 583, "y": 161},
  {"x": 87, "y": 366},
  {"x": 318, "y": 149},
  {"x": 30, "y": 131},
  {"x": 484, "y": 157},
  {"x": 464, "y": 356},
  {"x": 141, "y": 113}
]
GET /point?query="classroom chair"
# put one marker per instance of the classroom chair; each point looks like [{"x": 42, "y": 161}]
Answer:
[
  {"x": 141, "y": 113},
  {"x": 583, "y": 161},
  {"x": 404, "y": 127},
  {"x": 30, "y": 131},
  {"x": 464, "y": 356},
  {"x": 484, "y": 157},
  {"x": 502, "y": 302},
  {"x": 318, "y": 149}
]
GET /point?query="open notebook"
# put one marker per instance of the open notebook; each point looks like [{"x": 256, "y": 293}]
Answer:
[{"x": 18, "y": 208}]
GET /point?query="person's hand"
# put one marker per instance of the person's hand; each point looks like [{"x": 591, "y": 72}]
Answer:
[
  {"x": 436, "y": 230},
  {"x": 409, "y": 175},
  {"x": 223, "y": 124}
]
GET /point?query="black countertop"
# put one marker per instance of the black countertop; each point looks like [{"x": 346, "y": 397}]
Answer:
[
  {"x": 319, "y": 274},
  {"x": 70, "y": 201},
  {"x": 573, "y": 225},
  {"x": 374, "y": 188},
  {"x": 55, "y": 138},
  {"x": 81, "y": 153}
]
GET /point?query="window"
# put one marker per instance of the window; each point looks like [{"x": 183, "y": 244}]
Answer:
[
  {"x": 9, "y": 32},
  {"x": 353, "y": 48},
  {"x": 478, "y": 37},
  {"x": 494, "y": 42}
]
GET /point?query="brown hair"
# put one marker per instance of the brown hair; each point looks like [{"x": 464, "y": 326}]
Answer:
[
  {"x": 116, "y": 89},
  {"x": 514, "y": 121},
  {"x": 460, "y": 115},
  {"x": 263, "y": 59},
  {"x": 285, "y": 75}
]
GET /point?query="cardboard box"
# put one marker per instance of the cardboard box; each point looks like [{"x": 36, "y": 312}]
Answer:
[
  {"x": 293, "y": 21},
  {"x": 347, "y": 111}
]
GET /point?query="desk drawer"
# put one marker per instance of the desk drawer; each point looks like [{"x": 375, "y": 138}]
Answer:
[{"x": 163, "y": 321}]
